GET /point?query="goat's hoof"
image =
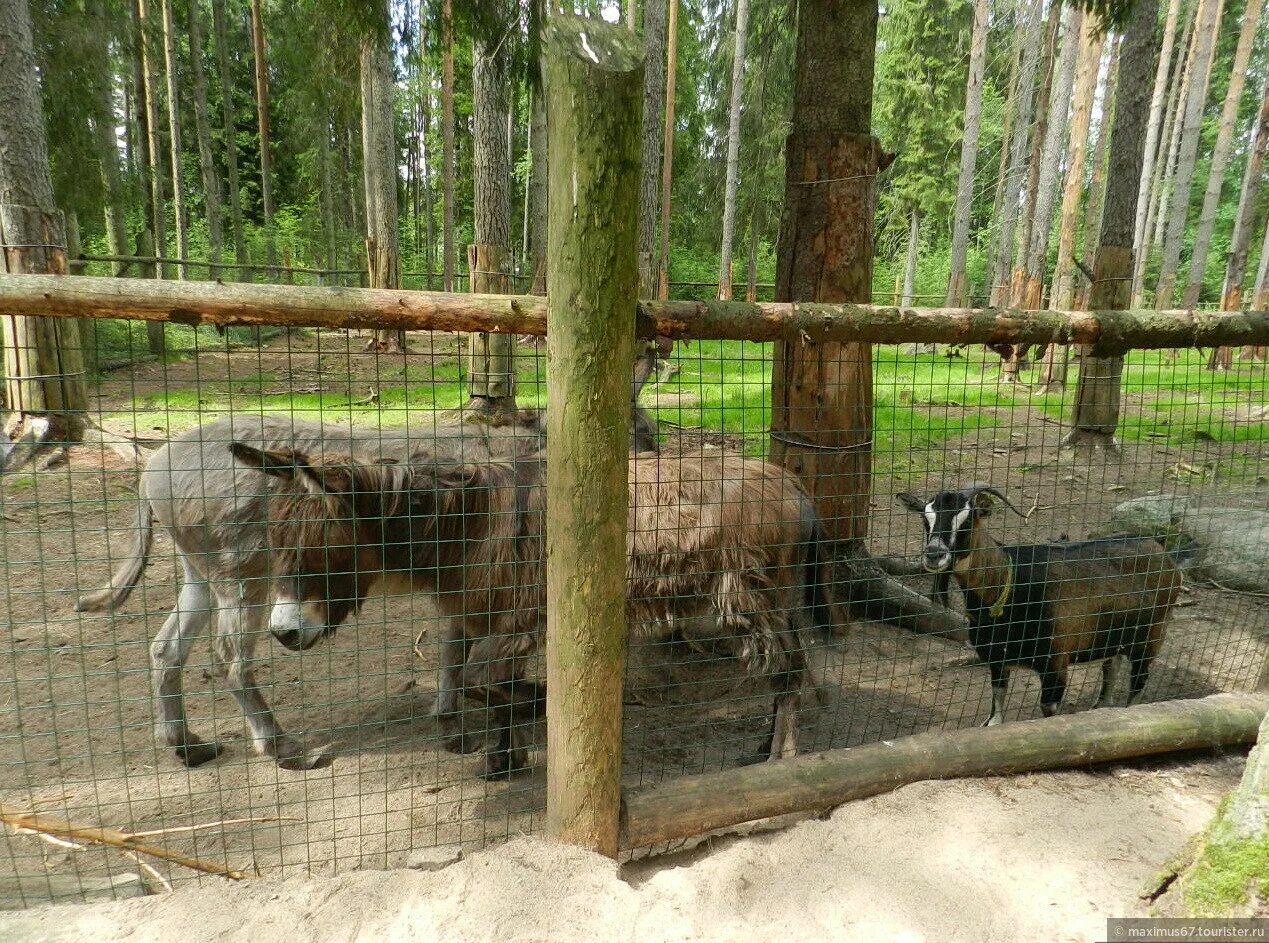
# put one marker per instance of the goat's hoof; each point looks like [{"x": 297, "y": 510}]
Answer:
[{"x": 195, "y": 751}]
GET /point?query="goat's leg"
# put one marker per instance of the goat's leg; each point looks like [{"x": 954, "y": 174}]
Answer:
[
  {"x": 168, "y": 654},
  {"x": 1053, "y": 685},
  {"x": 240, "y": 621},
  {"x": 1107, "y": 695},
  {"x": 999, "y": 694},
  {"x": 1140, "y": 658}
]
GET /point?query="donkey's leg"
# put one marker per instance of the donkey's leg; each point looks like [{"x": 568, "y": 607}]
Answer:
[
  {"x": 788, "y": 701},
  {"x": 453, "y": 655},
  {"x": 491, "y": 676},
  {"x": 243, "y": 609},
  {"x": 168, "y": 654}
]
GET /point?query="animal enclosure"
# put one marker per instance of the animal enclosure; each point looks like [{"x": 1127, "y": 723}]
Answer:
[{"x": 77, "y": 707}]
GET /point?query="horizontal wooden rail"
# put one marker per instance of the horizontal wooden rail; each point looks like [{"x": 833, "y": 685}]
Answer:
[
  {"x": 264, "y": 266},
  {"x": 693, "y": 805},
  {"x": 235, "y": 303}
]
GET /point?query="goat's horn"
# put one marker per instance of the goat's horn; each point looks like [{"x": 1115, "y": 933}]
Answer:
[{"x": 975, "y": 487}]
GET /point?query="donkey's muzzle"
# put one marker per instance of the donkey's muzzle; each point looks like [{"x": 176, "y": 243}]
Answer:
[{"x": 291, "y": 639}]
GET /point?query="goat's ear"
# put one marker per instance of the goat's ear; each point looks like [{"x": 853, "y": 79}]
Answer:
[
  {"x": 912, "y": 502},
  {"x": 982, "y": 504}
]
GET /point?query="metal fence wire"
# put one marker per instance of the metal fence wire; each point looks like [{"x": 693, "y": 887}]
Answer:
[{"x": 352, "y": 468}]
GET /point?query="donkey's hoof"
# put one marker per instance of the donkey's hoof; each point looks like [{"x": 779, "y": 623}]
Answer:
[
  {"x": 195, "y": 751},
  {"x": 292, "y": 755},
  {"x": 464, "y": 743},
  {"x": 502, "y": 764}
]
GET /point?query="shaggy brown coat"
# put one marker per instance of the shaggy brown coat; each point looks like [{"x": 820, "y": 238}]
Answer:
[{"x": 722, "y": 536}]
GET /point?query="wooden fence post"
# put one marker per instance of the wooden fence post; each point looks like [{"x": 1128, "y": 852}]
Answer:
[{"x": 594, "y": 95}]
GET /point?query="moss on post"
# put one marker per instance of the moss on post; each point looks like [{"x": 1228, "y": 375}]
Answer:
[{"x": 594, "y": 89}]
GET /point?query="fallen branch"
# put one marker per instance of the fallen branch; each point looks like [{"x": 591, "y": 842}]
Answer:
[
  {"x": 96, "y": 835},
  {"x": 203, "y": 826},
  {"x": 814, "y": 782}
]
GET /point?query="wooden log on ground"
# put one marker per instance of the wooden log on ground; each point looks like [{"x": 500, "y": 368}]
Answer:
[
  {"x": 246, "y": 304},
  {"x": 594, "y": 96},
  {"x": 692, "y": 805}
]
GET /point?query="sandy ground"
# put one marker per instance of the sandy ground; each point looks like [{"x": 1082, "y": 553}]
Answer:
[
  {"x": 1044, "y": 857},
  {"x": 75, "y": 703}
]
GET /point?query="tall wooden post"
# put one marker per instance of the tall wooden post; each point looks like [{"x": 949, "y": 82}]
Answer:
[{"x": 594, "y": 96}]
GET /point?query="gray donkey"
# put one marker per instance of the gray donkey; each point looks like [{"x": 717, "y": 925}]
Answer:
[{"x": 215, "y": 510}]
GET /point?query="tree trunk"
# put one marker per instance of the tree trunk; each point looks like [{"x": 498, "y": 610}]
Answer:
[
  {"x": 733, "y": 150},
  {"x": 1024, "y": 96},
  {"x": 996, "y": 286},
  {"x": 174, "y": 139},
  {"x": 1097, "y": 398},
  {"x": 158, "y": 208},
  {"x": 654, "y": 105},
  {"x": 1260, "y": 299},
  {"x": 667, "y": 149},
  {"x": 229, "y": 133},
  {"x": 1090, "y": 54},
  {"x": 821, "y": 392},
  {"x": 202, "y": 126},
  {"x": 1056, "y": 130},
  {"x": 538, "y": 193},
  {"x": 447, "y": 146},
  {"x": 262, "y": 122},
  {"x": 1240, "y": 241},
  {"x": 910, "y": 262},
  {"x": 1200, "y": 69},
  {"x": 1157, "y": 210},
  {"x": 327, "y": 185},
  {"x": 1097, "y": 186},
  {"x": 1054, "y": 64},
  {"x": 429, "y": 223},
  {"x": 1154, "y": 129},
  {"x": 957, "y": 282},
  {"x": 102, "y": 116},
  {"x": 1220, "y": 154},
  {"x": 379, "y": 168},
  {"x": 43, "y": 365},
  {"x": 491, "y": 374}
]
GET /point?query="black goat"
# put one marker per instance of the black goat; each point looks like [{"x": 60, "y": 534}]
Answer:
[{"x": 1048, "y": 606}]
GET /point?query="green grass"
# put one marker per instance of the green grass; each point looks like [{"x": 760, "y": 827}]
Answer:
[
  {"x": 1227, "y": 868},
  {"x": 440, "y": 386},
  {"x": 921, "y": 401},
  {"x": 725, "y": 386}
]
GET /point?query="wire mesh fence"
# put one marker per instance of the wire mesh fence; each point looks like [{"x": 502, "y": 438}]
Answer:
[{"x": 364, "y": 502}]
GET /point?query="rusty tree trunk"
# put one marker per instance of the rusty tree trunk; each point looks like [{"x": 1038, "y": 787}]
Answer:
[{"x": 821, "y": 415}]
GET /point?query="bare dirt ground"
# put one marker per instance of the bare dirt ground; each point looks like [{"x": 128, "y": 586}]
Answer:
[
  {"x": 1024, "y": 859},
  {"x": 75, "y": 706}
]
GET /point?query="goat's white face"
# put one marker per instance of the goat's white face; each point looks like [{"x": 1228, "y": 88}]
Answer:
[{"x": 948, "y": 518}]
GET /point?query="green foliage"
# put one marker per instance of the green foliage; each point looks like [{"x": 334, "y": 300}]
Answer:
[{"x": 920, "y": 89}]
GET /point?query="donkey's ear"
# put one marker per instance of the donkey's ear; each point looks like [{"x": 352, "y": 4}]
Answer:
[
  {"x": 280, "y": 464},
  {"x": 286, "y": 464},
  {"x": 912, "y": 502}
]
